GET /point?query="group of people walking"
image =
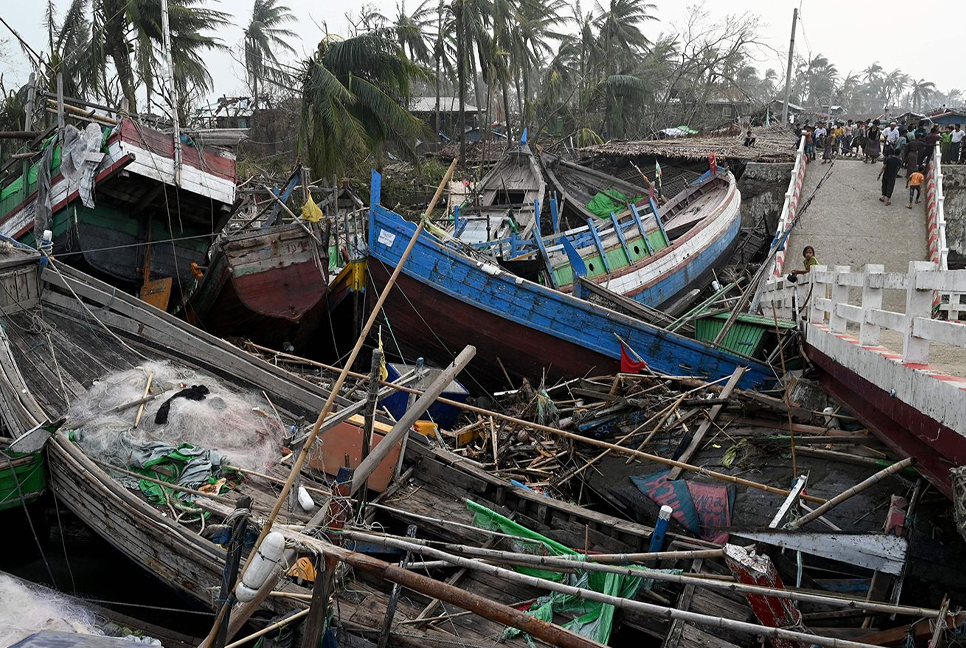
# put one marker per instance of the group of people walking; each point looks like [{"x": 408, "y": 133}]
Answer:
[{"x": 898, "y": 145}]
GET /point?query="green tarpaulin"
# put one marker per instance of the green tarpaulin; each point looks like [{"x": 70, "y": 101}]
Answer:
[
  {"x": 593, "y": 619},
  {"x": 610, "y": 202}
]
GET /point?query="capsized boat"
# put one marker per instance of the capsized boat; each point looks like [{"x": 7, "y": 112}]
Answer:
[
  {"x": 268, "y": 285},
  {"x": 121, "y": 206},
  {"x": 449, "y": 296}
]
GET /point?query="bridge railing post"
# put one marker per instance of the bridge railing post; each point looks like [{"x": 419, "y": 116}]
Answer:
[
  {"x": 816, "y": 291},
  {"x": 918, "y": 304},
  {"x": 840, "y": 295},
  {"x": 871, "y": 300},
  {"x": 954, "y": 304}
]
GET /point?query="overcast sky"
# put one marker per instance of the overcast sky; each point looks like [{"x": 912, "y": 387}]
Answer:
[{"x": 838, "y": 30}]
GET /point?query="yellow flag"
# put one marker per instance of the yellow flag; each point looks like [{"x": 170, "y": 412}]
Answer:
[{"x": 311, "y": 211}]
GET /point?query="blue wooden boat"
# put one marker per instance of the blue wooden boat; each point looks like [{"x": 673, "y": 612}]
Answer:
[
  {"x": 449, "y": 295},
  {"x": 649, "y": 254}
]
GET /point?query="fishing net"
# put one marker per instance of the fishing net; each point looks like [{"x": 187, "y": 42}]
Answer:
[
  {"x": 958, "y": 477},
  {"x": 605, "y": 203},
  {"x": 26, "y": 608},
  {"x": 193, "y": 429},
  {"x": 592, "y": 619}
]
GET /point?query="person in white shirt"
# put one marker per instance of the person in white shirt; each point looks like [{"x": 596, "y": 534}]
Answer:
[
  {"x": 891, "y": 134},
  {"x": 956, "y": 143}
]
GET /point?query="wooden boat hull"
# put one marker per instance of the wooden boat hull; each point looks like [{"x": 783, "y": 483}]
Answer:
[
  {"x": 909, "y": 430},
  {"x": 269, "y": 286},
  {"x": 656, "y": 279},
  {"x": 446, "y": 300},
  {"x": 136, "y": 200}
]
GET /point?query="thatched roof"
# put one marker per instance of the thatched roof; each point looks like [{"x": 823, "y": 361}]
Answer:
[{"x": 774, "y": 144}]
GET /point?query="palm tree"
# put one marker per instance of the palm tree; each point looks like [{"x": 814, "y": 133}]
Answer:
[
  {"x": 922, "y": 90},
  {"x": 135, "y": 25},
  {"x": 264, "y": 36},
  {"x": 412, "y": 31},
  {"x": 73, "y": 50},
  {"x": 353, "y": 97}
]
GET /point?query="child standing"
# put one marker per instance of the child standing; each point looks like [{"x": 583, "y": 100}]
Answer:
[{"x": 915, "y": 186}]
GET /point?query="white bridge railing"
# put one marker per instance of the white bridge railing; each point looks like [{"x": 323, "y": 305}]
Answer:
[
  {"x": 936, "y": 230},
  {"x": 787, "y": 216},
  {"x": 824, "y": 295}
]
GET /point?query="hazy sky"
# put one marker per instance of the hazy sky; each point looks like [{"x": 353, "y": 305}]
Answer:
[{"x": 838, "y": 30}]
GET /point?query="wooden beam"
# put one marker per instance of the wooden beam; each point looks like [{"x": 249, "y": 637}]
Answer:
[
  {"x": 406, "y": 421},
  {"x": 702, "y": 430}
]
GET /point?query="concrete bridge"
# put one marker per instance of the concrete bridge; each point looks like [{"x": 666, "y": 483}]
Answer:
[{"x": 879, "y": 316}]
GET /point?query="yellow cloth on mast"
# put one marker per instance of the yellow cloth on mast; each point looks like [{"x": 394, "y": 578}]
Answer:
[{"x": 311, "y": 212}]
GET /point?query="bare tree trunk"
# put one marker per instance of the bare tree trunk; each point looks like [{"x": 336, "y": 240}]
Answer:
[
  {"x": 506, "y": 109},
  {"x": 439, "y": 62},
  {"x": 459, "y": 11}
]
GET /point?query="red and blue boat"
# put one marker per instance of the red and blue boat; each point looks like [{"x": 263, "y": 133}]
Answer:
[{"x": 449, "y": 295}]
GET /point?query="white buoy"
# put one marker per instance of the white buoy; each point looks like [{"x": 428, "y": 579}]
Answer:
[{"x": 266, "y": 560}]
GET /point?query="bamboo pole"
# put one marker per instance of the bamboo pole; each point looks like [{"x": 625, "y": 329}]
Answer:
[
  {"x": 147, "y": 388},
  {"x": 333, "y": 393},
  {"x": 563, "y": 433},
  {"x": 419, "y": 583},
  {"x": 858, "y": 488},
  {"x": 591, "y": 564},
  {"x": 264, "y": 631}
]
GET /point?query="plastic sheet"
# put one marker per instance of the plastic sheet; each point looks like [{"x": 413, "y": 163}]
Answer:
[
  {"x": 592, "y": 618},
  {"x": 239, "y": 425}
]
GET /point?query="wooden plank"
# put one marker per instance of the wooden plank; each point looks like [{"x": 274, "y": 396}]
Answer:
[{"x": 702, "y": 430}]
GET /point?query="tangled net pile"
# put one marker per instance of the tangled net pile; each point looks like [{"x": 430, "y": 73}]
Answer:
[
  {"x": 26, "y": 609},
  {"x": 240, "y": 426}
]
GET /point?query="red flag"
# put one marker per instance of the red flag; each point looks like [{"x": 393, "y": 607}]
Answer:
[
  {"x": 628, "y": 365},
  {"x": 713, "y": 163}
]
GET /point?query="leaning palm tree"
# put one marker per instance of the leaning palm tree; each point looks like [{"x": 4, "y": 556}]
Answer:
[
  {"x": 264, "y": 37},
  {"x": 921, "y": 91},
  {"x": 353, "y": 97},
  {"x": 135, "y": 26}
]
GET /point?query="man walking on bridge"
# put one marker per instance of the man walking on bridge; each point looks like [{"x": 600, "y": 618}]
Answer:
[{"x": 888, "y": 173}]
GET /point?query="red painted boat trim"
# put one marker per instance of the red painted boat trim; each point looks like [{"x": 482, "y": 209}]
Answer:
[
  {"x": 103, "y": 175},
  {"x": 441, "y": 333},
  {"x": 162, "y": 144},
  {"x": 902, "y": 427},
  {"x": 54, "y": 180},
  {"x": 286, "y": 292}
]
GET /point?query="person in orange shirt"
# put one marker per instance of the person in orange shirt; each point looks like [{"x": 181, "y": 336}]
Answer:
[{"x": 915, "y": 186}]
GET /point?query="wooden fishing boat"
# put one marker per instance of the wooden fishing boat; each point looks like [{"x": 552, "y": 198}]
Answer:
[
  {"x": 507, "y": 195},
  {"x": 448, "y": 299},
  {"x": 578, "y": 186},
  {"x": 268, "y": 285},
  {"x": 649, "y": 254},
  {"x": 124, "y": 209},
  {"x": 92, "y": 332}
]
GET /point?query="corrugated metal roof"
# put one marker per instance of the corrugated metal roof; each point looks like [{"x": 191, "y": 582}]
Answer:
[{"x": 446, "y": 104}]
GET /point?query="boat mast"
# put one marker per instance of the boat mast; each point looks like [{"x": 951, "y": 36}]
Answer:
[
  {"x": 788, "y": 70},
  {"x": 172, "y": 91}
]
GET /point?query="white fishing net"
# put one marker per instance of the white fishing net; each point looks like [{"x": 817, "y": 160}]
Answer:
[
  {"x": 26, "y": 608},
  {"x": 240, "y": 427}
]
